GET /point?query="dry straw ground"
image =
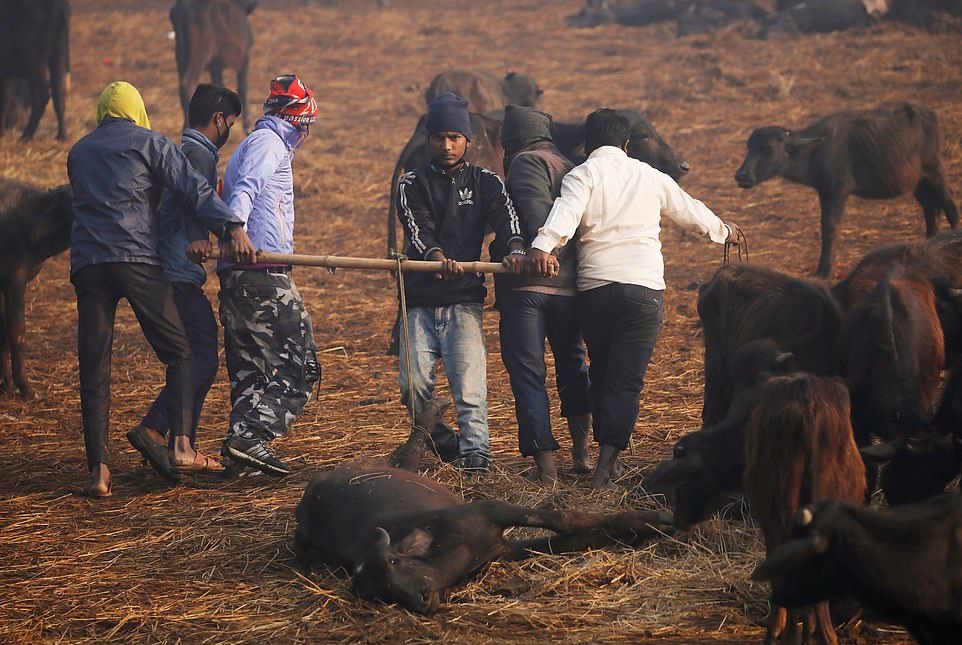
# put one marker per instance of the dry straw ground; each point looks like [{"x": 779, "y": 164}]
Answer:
[{"x": 209, "y": 562}]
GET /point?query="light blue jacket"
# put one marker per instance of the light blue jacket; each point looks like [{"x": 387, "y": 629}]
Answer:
[{"x": 259, "y": 184}]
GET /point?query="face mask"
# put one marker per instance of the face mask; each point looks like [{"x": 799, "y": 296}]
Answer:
[{"x": 222, "y": 137}]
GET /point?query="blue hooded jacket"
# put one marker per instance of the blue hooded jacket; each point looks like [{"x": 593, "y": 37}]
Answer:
[
  {"x": 177, "y": 229},
  {"x": 259, "y": 184}
]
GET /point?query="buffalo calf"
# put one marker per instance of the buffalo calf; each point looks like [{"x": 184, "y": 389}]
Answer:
[
  {"x": 902, "y": 563},
  {"x": 707, "y": 466},
  {"x": 744, "y": 303},
  {"x": 34, "y": 225},
  {"x": 881, "y": 153},
  {"x": 798, "y": 448}
]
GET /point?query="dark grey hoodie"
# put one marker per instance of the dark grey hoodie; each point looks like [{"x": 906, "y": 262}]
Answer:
[{"x": 534, "y": 168}]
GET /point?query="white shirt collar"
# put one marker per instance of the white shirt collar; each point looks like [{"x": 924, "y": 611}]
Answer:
[{"x": 607, "y": 151}]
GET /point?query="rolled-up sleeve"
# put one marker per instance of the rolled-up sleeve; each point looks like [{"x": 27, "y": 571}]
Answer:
[{"x": 566, "y": 212}]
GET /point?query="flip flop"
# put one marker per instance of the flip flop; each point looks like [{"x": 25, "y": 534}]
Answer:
[
  {"x": 155, "y": 454},
  {"x": 207, "y": 465}
]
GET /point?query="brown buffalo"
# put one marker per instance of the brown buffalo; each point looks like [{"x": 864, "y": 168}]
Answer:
[
  {"x": 881, "y": 153},
  {"x": 744, "y": 303},
  {"x": 484, "y": 91},
  {"x": 798, "y": 448},
  {"x": 212, "y": 35}
]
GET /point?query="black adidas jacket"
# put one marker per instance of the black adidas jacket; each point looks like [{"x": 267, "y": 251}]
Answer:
[{"x": 450, "y": 212}]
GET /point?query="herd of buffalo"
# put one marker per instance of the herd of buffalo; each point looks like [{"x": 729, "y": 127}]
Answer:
[{"x": 809, "y": 386}]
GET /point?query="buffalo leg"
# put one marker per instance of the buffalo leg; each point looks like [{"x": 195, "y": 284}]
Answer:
[
  {"x": 776, "y": 624},
  {"x": 927, "y": 197},
  {"x": 824, "y": 627},
  {"x": 566, "y": 522},
  {"x": 242, "y": 90},
  {"x": 942, "y": 197},
  {"x": 39, "y": 95},
  {"x": 16, "y": 328},
  {"x": 6, "y": 375},
  {"x": 833, "y": 206},
  {"x": 4, "y": 103},
  {"x": 58, "y": 75},
  {"x": 216, "y": 72}
]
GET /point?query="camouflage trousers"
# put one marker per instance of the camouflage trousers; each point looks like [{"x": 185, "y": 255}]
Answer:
[{"x": 270, "y": 350}]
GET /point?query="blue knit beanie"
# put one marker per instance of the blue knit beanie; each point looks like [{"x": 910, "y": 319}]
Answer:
[{"x": 449, "y": 113}]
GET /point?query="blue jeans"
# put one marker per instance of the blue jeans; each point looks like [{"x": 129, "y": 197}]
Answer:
[
  {"x": 453, "y": 335},
  {"x": 527, "y": 318}
]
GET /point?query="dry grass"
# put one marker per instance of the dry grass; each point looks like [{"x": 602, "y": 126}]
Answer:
[{"x": 209, "y": 562}]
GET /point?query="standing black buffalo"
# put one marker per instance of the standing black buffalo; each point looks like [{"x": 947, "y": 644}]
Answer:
[
  {"x": 34, "y": 225},
  {"x": 877, "y": 154},
  {"x": 212, "y": 35},
  {"x": 902, "y": 563},
  {"x": 34, "y": 46}
]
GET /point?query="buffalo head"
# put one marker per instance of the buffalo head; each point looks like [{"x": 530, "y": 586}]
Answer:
[
  {"x": 772, "y": 151},
  {"x": 645, "y": 144},
  {"x": 399, "y": 572},
  {"x": 805, "y": 569}
]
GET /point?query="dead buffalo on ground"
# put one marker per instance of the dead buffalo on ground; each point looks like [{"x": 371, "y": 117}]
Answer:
[
  {"x": 707, "y": 466},
  {"x": 692, "y": 16},
  {"x": 821, "y": 16},
  {"x": 485, "y": 91},
  {"x": 902, "y": 563},
  {"x": 211, "y": 35},
  {"x": 34, "y": 225},
  {"x": 34, "y": 46},
  {"x": 881, "y": 153},
  {"x": 798, "y": 448},
  {"x": 744, "y": 303},
  {"x": 408, "y": 539}
]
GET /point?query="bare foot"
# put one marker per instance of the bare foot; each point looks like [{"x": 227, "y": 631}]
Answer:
[
  {"x": 100, "y": 483},
  {"x": 581, "y": 462}
]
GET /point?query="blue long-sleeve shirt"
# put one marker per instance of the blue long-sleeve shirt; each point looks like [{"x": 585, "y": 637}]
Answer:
[
  {"x": 259, "y": 184},
  {"x": 177, "y": 228}
]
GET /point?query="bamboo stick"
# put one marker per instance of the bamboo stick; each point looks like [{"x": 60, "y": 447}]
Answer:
[{"x": 370, "y": 264}]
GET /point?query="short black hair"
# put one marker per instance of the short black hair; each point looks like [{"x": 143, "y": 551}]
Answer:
[
  {"x": 606, "y": 127},
  {"x": 208, "y": 100}
]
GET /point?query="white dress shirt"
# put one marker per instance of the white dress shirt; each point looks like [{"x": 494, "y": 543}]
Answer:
[{"x": 615, "y": 203}]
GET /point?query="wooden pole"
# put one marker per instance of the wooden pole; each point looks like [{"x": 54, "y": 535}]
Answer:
[{"x": 369, "y": 264}]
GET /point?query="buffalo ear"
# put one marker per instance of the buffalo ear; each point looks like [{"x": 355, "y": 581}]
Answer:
[
  {"x": 878, "y": 454},
  {"x": 788, "y": 556},
  {"x": 415, "y": 544},
  {"x": 670, "y": 474},
  {"x": 794, "y": 144},
  {"x": 510, "y": 75}
]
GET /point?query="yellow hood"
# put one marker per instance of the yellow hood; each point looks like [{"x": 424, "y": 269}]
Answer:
[{"x": 121, "y": 100}]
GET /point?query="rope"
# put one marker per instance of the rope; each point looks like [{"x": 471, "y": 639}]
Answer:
[
  {"x": 406, "y": 336},
  {"x": 741, "y": 241}
]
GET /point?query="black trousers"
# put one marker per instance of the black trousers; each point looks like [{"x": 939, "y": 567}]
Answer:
[
  {"x": 99, "y": 288},
  {"x": 620, "y": 324},
  {"x": 201, "y": 327}
]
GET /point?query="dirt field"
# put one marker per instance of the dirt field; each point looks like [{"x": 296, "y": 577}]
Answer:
[{"x": 209, "y": 561}]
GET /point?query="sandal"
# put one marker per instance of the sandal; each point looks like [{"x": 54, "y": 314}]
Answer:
[
  {"x": 153, "y": 453},
  {"x": 200, "y": 464}
]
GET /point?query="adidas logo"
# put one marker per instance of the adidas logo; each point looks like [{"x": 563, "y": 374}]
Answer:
[{"x": 465, "y": 197}]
